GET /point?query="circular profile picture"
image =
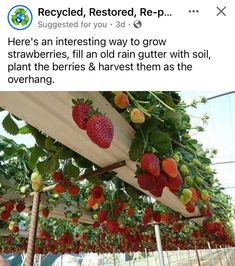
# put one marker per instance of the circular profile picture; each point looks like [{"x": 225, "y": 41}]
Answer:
[{"x": 20, "y": 17}]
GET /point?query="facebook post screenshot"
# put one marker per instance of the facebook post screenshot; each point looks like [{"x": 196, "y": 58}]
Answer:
[{"x": 117, "y": 133}]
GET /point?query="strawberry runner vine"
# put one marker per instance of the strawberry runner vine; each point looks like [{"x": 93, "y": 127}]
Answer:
[{"x": 166, "y": 157}]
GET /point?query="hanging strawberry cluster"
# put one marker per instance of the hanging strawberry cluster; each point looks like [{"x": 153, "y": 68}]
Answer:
[{"x": 99, "y": 128}]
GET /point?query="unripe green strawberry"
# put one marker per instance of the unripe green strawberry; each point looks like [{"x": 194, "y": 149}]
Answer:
[
  {"x": 36, "y": 179},
  {"x": 177, "y": 157},
  {"x": 184, "y": 170},
  {"x": 198, "y": 180},
  {"x": 184, "y": 200},
  {"x": 23, "y": 189},
  {"x": 188, "y": 180},
  {"x": 186, "y": 136},
  {"x": 197, "y": 163},
  {"x": 69, "y": 215},
  {"x": 94, "y": 216},
  {"x": 204, "y": 195},
  {"x": 152, "y": 109},
  {"x": 208, "y": 170},
  {"x": 187, "y": 193}
]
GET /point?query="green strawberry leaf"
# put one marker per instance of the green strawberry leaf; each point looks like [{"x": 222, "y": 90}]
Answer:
[
  {"x": 24, "y": 130},
  {"x": 136, "y": 149},
  {"x": 36, "y": 153},
  {"x": 120, "y": 194},
  {"x": 48, "y": 166},
  {"x": 71, "y": 170},
  {"x": 10, "y": 125},
  {"x": 49, "y": 144},
  {"x": 175, "y": 117},
  {"x": 83, "y": 162},
  {"x": 161, "y": 142}
]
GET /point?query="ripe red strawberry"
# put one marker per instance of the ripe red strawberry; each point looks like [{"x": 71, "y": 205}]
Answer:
[
  {"x": 20, "y": 207},
  {"x": 210, "y": 227},
  {"x": 73, "y": 190},
  {"x": 10, "y": 240},
  {"x": 100, "y": 130},
  {"x": 97, "y": 192},
  {"x": 169, "y": 166},
  {"x": 9, "y": 206},
  {"x": 130, "y": 211},
  {"x": 102, "y": 216},
  {"x": 5, "y": 215},
  {"x": 59, "y": 188},
  {"x": 112, "y": 226},
  {"x": 156, "y": 192},
  {"x": 45, "y": 212},
  {"x": 95, "y": 224},
  {"x": 161, "y": 182},
  {"x": 58, "y": 176},
  {"x": 174, "y": 183},
  {"x": 146, "y": 181},
  {"x": 75, "y": 220},
  {"x": 150, "y": 163},
  {"x": 177, "y": 227},
  {"x": 148, "y": 212},
  {"x": 15, "y": 229},
  {"x": 157, "y": 217},
  {"x": 190, "y": 207},
  {"x": 81, "y": 114},
  {"x": 194, "y": 196}
]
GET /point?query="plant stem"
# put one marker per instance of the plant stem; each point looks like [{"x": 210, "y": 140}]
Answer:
[{"x": 156, "y": 97}]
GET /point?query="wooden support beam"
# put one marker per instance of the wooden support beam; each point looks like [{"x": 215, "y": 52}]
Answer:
[{"x": 33, "y": 229}]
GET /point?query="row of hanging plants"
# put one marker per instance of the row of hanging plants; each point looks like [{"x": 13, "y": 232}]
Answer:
[{"x": 167, "y": 157}]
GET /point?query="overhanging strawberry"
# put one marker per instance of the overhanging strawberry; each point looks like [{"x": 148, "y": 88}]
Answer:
[
  {"x": 100, "y": 130},
  {"x": 81, "y": 112},
  {"x": 150, "y": 163}
]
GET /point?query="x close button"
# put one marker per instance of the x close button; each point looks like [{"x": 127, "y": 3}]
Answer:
[{"x": 221, "y": 11}]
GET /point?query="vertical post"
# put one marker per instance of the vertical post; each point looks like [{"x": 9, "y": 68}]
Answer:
[
  {"x": 218, "y": 252},
  {"x": 178, "y": 256},
  {"x": 159, "y": 244},
  {"x": 33, "y": 230},
  {"x": 146, "y": 256},
  {"x": 198, "y": 260},
  {"x": 211, "y": 254},
  {"x": 114, "y": 258}
]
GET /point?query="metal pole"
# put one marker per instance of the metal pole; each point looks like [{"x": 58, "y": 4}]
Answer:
[
  {"x": 114, "y": 259},
  {"x": 219, "y": 256},
  {"x": 211, "y": 254},
  {"x": 178, "y": 256},
  {"x": 33, "y": 230},
  {"x": 198, "y": 260},
  {"x": 159, "y": 244},
  {"x": 146, "y": 256}
]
